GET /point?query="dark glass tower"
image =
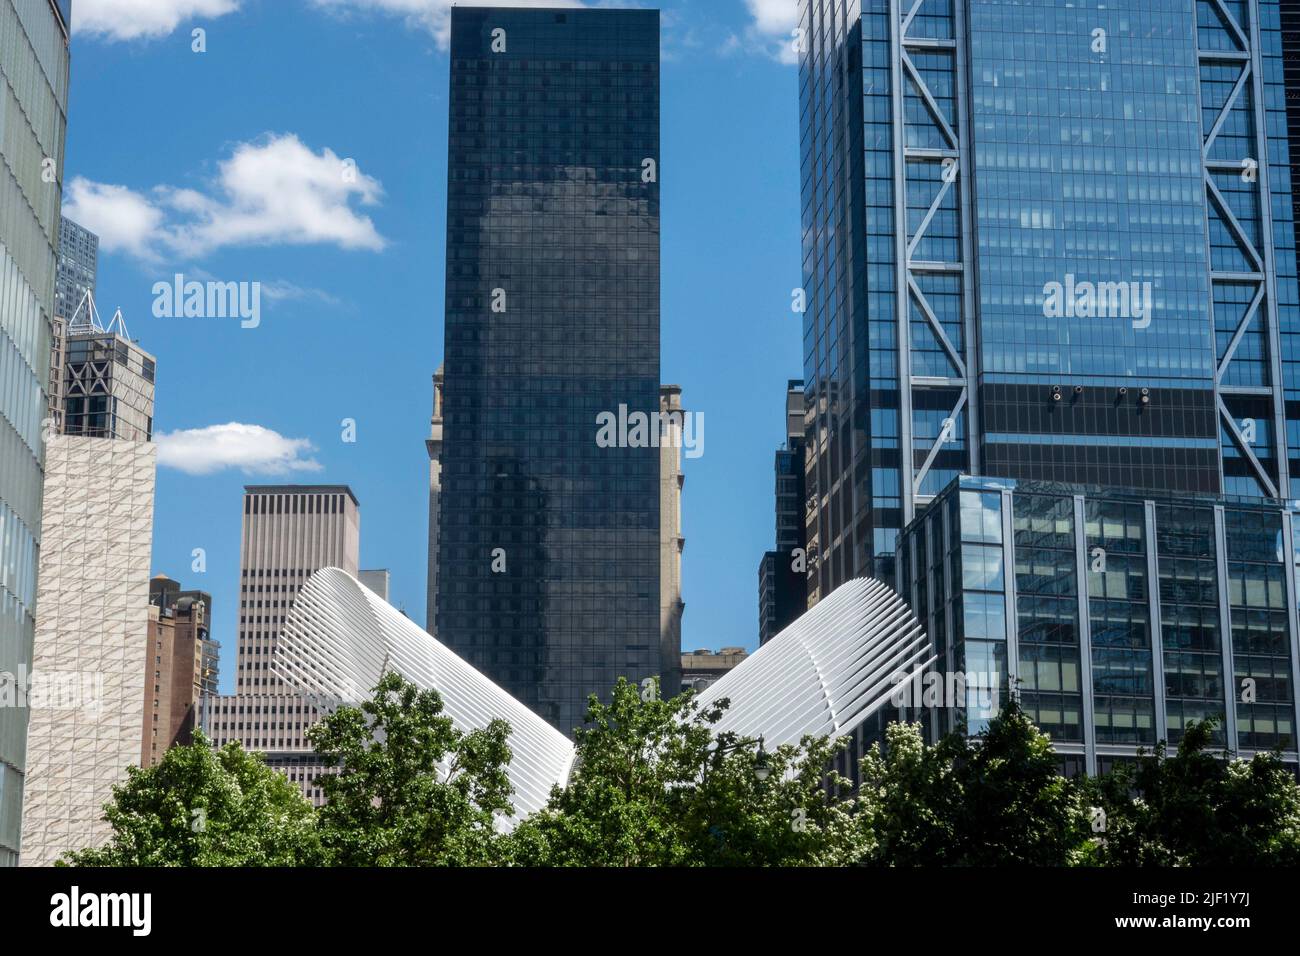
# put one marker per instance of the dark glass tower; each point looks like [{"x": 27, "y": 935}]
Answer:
[
  {"x": 1121, "y": 615},
  {"x": 549, "y": 542},
  {"x": 1042, "y": 241},
  {"x": 782, "y": 582}
]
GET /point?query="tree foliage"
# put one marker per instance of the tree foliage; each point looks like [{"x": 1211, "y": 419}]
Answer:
[
  {"x": 1198, "y": 808},
  {"x": 204, "y": 807},
  {"x": 408, "y": 788},
  {"x": 996, "y": 800},
  {"x": 654, "y": 786}
]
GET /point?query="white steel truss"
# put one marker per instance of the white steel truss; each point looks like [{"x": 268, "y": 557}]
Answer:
[
  {"x": 86, "y": 318},
  {"x": 952, "y": 156},
  {"x": 1247, "y": 94}
]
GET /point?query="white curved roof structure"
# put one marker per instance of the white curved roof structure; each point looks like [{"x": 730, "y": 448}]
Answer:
[
  {"x": 340, "y": 637},
  {"x": 828, "y": 671},
  {"x": 824, "y": 674}
]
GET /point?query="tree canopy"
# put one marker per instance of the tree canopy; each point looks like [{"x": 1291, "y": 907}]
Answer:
[
  {"x": 1198, "y": 808},
  {"x": 199, "y": 806},
  {"x": 655, "y": 784},
  {"x": 995, "y": 800},
  {"x": 409, "y": 788}
]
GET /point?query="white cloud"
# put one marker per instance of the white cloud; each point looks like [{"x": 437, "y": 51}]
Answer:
[
  {"x": 250, "y": 448},
  {"x": 151, "y": 19},
  {"x": 270, "y": 192},
  {"x": 772, "y": 31},
  {"x": 282, "y": 290},
  {"x": 278, "y": 191},
  {"x": 125, "y": 221},
  {"x": 141, "y": 19},
  {"x": 774, "y": 17},
  {"x": 431, "y": 15}
]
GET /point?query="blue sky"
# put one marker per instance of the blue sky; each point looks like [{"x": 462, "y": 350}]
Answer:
[{"x": 224, "y": 165}]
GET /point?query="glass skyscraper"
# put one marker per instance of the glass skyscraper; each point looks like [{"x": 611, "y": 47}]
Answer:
[
  {"x": 1042, "y": 241},
  {"x": 78, "y": 267},
  {"x": 782, "y": 579},
  {"x": 548, "y": 570},
  {"x": 1065, "y": 586},
  {"x": 33, "y": 119}
]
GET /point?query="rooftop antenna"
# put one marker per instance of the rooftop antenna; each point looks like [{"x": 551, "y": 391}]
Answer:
[
  {"x": 119, "y": 323},
  {"x": 88, "y": 319}
]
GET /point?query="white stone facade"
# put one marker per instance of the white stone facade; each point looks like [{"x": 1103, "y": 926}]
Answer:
[{"x": 92, "y": 637}]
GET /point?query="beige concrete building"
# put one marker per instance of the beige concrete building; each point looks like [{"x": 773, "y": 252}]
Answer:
[
  {"x": 433, "y": 444},
  {"x": 671, "y": 542},
  {"x": 92, "y": 621},
  {"x": 272, "y": 724},
  {"x": 702, "y": 668},
  {"x": 378, "y": 580},
  {"x": 289, "y": 533},
  {"x": 92, "y": 636}
]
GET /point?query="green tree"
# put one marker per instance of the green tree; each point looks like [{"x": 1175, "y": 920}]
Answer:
[
  {"x": 910, "y": 800},
  {"x": 204, "y": 807},
  {"x": 1198, "y": 808},
  {"x": 995, "y": 800},
  {"x": 407, "y": 787},
  {"x": 801, "y": 814},
  {"x": 1017, "y": 809},
  {"x": 654, "y": 786}
]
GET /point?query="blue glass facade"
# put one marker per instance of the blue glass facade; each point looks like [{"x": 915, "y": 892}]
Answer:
[
  {"x": 1089, "y": 164},
  {"x": 549, "y": 543},
  {"x": 1042, "y": 241},
  {"x": 33, "y": 118},
  {"x": 1121, "y": 615}
]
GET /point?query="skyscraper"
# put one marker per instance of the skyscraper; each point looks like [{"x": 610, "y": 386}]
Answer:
[
  {"x": 1289, "y": 12},
  {"x": 289, "y": 533},
  {"x": 180, "y": 666},
  {"x": 704, "y": 667},
  {"x": 782, "y": 582},
  {"x": 549, "y": 555},
  {"x": 108, "y": 380},
  {"x": 74, "y": 299},
  {"x": 1044, "y": 242},
  {"x": 197, "y": 607},
  {"x": 78, "y": 267},
  {"x": 34, "y": 67},
  {"x": 1121, "y": 615},
  {"x": 92, "y": 639},
  {"x": 93, "y": 626},
  {"x": 377, "y": 580}
]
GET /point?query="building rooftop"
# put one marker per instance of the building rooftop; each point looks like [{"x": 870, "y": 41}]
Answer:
[{"x": 301, "y": 490}]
